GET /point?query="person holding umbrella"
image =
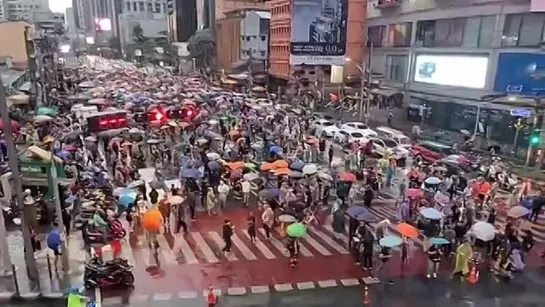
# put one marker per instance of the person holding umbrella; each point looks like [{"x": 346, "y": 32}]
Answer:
[{"x": 434, "y": 259}]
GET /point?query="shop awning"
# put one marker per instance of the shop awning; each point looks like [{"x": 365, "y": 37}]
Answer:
[
  {"x": 44, "y": 182},
  {"x": 386, "y": 92}
]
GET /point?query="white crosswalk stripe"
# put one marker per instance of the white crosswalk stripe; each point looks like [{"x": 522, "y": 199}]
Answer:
[
  {"x": 261, "y": 247},
  {"x": 166, "y": 253},
  {"x": 219, "y": 242},
  {"x": 276, "y": 243},
  {"x": 203, "y": 246},
  {"x": 316, "y": 245},
  {"x": 181, "y": 246},
  {"x": 246, "y": 252}
]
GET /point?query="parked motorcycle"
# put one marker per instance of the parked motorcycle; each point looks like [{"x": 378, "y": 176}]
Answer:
[
  {"x": 109, "y": 274},
  {"x": 94, "y": 236}
]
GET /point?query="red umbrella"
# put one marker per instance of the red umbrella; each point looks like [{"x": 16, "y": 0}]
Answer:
[
  {"x": 347, "y": 176},
  {"x": 14, "y": 125},
  {"x": 70, "y": 147}
]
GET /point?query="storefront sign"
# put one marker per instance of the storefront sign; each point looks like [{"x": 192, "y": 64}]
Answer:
[
  {"x": 537, "y": 6},
  {"x": 523, "y": 71},
  {"x": 451, "y": 70},
  {"x": 33, "y": 171},
  {"x": 318, "y": 29}
]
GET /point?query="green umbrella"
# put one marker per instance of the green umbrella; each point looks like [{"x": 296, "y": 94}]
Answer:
[
  {"x": 47, "y": 111},
  {"x": 296, "y": 230}
]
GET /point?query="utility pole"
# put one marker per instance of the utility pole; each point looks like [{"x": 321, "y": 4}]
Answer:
[
  {"x": 31, "y": 59},
  {"x": 368, "y": 100},
  {"x": 32, "y": 270},
  {"x": 58, "y": 211}
]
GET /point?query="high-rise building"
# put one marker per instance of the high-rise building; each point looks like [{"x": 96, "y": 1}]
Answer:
[
  {"x": 70, "y": 21},
  {"x": 23, "y": 9},
  {"x": 82, "y": 15}
]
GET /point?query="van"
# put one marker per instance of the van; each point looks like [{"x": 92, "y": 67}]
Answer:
[
  {"x": 82, "y": 111},
  {"x": 396, "y": 135}
]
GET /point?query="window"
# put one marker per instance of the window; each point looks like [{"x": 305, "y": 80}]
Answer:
[
  {"x": 376, "y": 35},
  {"x": 128, "y": 6},
  {"x": 471, "y": 32},
  {"x": 449, "y": 32},
  {"x": 478, "y": 32},
  {"x": 399, "y": 35},
  {"x": 142, "y": 6},
  {"x": 396, "y": 68},
  {"x": 150, "y": 7},
  {"x": 134, "y": 6},
  {"x": 488, "y": 23},
  {"x": 425, "y": 33},
  {"x": 264, "y": 26},
  {"x": 157, "y": 7},
  {"x": 524, "y": 30}
]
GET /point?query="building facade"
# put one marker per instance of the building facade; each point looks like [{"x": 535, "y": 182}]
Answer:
[
  {"x": 82, "y": 16},
  {"x": 23, "y": 9},
  {"x": 447, "y": 57},
  {"x": 70, "y": 22},
  {"x": 104, "y": 16},
  {"x": 224, "y": 7},
  {"x": 254, "y": 36},
  {"x": 12, "y": 41}
]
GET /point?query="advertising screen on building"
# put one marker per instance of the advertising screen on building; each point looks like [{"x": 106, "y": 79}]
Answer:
[
  {"x": 318, "y": 32},
  {"x": 451, "y": 70},
  {"x": 522, "y": 73}
]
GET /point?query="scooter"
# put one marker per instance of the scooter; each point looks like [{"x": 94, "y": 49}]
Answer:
[
  {"x": 112, "y": 273},
  {"x": 93, "y": 236}
]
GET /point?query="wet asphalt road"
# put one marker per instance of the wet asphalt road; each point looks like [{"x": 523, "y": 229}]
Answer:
[{"x": 524, "y": 291}]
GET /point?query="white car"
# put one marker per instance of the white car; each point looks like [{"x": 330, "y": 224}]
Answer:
[
  {"x": 383, "y": 145},
  {"x": 325, "y": 128},
  {"x": 361, "y": 128},
  {"x": 348, "y": 136}
]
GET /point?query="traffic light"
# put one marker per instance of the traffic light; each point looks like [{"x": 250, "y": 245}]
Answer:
[
  {"x": 535, "y": 139},
  {"x": 103, "y": 121}
]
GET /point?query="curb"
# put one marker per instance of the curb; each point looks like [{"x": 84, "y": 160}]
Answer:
[
  {"x": 30, "y": 296},
  {"x": 241, "y": 291}
]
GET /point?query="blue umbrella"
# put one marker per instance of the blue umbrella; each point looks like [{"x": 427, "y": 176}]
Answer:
[
  {"x": 439, "y": 241},
  {"x": 366, "y": 217},
  {"x": 527, "y": 203},
  {"x": 277, "y": 150},
  {"x": 127, "y": 198},
  {"x": 63, "y": 154},
  {"x": 297, "y": 165},
  {"x": 269, "y": 193},
  {"x": 71, "y": 199},
  {"x": 431, "y": 213},
  {"x": 353, "y": 212},
  {"x": 191, "y": 173},
  {"x": 390, "y": 241}
]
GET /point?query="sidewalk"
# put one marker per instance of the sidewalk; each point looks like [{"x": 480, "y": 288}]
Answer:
[{"x": 49, "y": 286}]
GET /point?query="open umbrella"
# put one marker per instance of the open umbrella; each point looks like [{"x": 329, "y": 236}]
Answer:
[
  {"x": 152, "y": 220},
  {"x": 390, "y": 241},
  {"x": 14, "y": 124},
  {"x": 431, "y": 213},
  {"x": 127, "y": 198},
  {"x": 236, "y": 165},
  {"x": 296, "y": 230},
  {"x": 325, "y": 176},
  {"x": 347, "y": 176},
  {"x": 191, "y": 173},
  {"x": 63, "y": 154},
  {"x": 213, "y": 155},
  {"x": 156, "y": 184},
  {"x": 286, "y": 218},
  {"x": 251, "y": 176},
  {"x": 432, "y": 180},
  {"x": 214, "y": 165},
  {"x": 280, "y": 164},
  {"x": 120, "y": 191},
  {"x": 266, "y": 166},
  {"x": 269, "y": 193},
  {"x": 415, "y": 193},
  {"x": 42, "y": 118},
  {"x": 277, "y": 150},
  {"x": 354, "y": 211},
  {"x": 281, "y": 171},
  {"x": 295, "y": 174},
  {"x": 439, "y": 241},
  {"x": 135, "y": 184},
  {"x": 483, "y": 231},
  {"x": 518, "y": 212},
  {"x": 366, "y": 217},
  {"x": 297, "y": 165},
  {"x": 407, "y": 230},
  {"x": 310, "y": 169},
  {"x": 175, "y": 200}
]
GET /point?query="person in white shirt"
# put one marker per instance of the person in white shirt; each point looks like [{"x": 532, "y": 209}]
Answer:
[
  {"x": 246, "y": 188},
  {"x": 223, "y": 192}
]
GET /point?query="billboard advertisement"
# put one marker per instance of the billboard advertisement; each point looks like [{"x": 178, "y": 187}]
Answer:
[
  {"x": 451, "y": 70},
  {"x": 522, "y": 73},
  {"x": 318, "y": 32}
]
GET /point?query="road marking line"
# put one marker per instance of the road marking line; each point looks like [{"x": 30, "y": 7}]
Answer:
[
  {"x": 305, "y": 285},
  {"x": 139, "y": 298},
  {"x": 260, "y": 289},
  {"x": 166, "y": 252},
  {"x": 203, "y": 246},
  {"x": 274, "y": 241},
  {"x": 246, "y": 252},
  {"x": 162, "y": 296},
  {"x": 145, "y": 251},
  {"x": 316, "y": 245},
  {"x": 283, "y": 287},
  {"x": 304, "y": 250},
  {"x": 98, "y": 297},
  {"x": 261, "y": 247},
  {"x": 75, "y": 244},
  {"x": 219, "y": 242},
  {"x": 329, "y": 283},
  {"x": 328, "y": 240},
  {"x": 181, "y": 245},
  {"x": 236, "y": 291},
  {"x": 188, "y": 294},
  {"x": 343, "y": 237},
  {"x": 217, "y": 292},
  {"x": 350, "y": 282}
]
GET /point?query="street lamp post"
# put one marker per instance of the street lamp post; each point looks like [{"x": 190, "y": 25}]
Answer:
[{"x": 363, "y": 105}]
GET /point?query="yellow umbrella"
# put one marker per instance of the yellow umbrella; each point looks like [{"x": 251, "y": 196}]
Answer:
[{"x": 259, "y": 89}]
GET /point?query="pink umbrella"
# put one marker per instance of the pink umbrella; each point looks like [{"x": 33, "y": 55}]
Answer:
[{"x": 415, "y": 193}]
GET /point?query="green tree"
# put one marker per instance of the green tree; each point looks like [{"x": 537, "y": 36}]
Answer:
[{"x": 202, "y": 48}]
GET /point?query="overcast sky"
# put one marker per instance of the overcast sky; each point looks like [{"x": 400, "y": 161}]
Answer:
[{"x": 59, "y": 6}]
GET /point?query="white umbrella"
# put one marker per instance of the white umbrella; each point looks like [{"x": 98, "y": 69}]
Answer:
[
  {"x": 135, "y": 184},
  {"x": 90, "y": 139},
  {"x": 325, "y": 176},
  {"x": 175, "y": 200},
  {"x": 432, "y": 180},
  {"x": 483, "y": 231},
  {"x": 251, "y": 176},
  {"x": 213, "y": 156},
  {"x": 119, "y": 191},
  {"x": 153, "y": 141},
  {"x": 310, "y": 169},
  {"x": 518, "y": 212},
  {"x": 135, "y": 131},
  {"x": 42, "y": 118}
]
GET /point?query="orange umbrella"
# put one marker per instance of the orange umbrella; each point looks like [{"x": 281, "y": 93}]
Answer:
[
  {"x": 266, "y": 166},
  {"x": 280, "y": 164},
  {"x": 281, "y": 171},
  {"x": 152, "y": 220},
  {"x": 347, "y": 176},
  {"x": 407, "y": 230},
  {"x": 236, "y": 165}
]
